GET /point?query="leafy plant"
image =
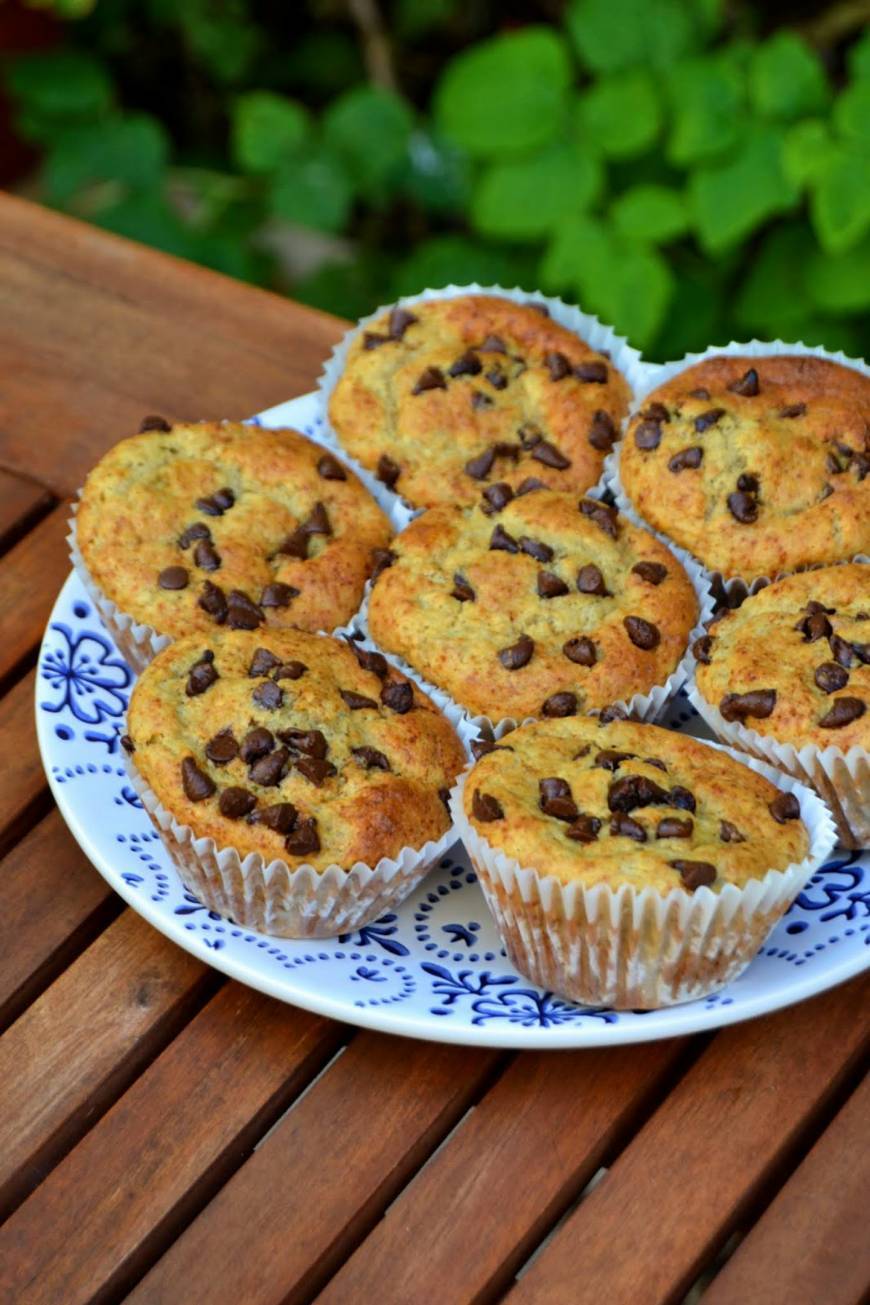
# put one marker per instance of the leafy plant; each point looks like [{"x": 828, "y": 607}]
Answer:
[{"x": 681, "y": 172}]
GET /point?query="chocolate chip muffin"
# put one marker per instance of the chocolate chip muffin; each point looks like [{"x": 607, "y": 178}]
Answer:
[
  {"x": 295, "y": 747},
  {"x": 193, "y": 527},
  {"x": 581, "y": 832},
  {"x": 445, "y": 397},
  {"x": 758, "y": 466},
  {"x": 534, "y": 605}
]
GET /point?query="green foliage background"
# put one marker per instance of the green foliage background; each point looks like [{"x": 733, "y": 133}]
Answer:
[{"x": 659, "y": 162}]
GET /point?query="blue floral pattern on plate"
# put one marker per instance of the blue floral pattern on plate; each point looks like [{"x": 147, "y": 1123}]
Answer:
[{"x": 434, "y": 968}]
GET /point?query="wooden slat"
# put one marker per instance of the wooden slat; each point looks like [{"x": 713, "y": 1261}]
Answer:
[
  {"x": 811, "y": 1245},
  {"x": 119, "y": 1198},
  {"x": 22, "y": 782},
  {"x": 329, "y": 1168},
  {"x": 30, "y": 575},
  {"x": 679, "y": 1189},
  {"x": 505, "y": 1176},
  {"x": 21, "y": 501},
  {"x": 53, "y": 903},
  {"x": 96, "y": 331},
  {"x": 80, "y": 1044}
]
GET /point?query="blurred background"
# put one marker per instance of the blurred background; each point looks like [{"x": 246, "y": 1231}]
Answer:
[{"x": 690, "y": 170}]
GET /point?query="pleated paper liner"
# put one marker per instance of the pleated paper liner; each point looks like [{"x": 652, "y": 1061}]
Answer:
[{"x": 639, "y": 950}]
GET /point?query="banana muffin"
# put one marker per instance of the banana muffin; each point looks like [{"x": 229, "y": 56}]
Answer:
[
  {"x": 194, "y": 526},
  {"x": 757, "y": 466},
  {"x": 638, "y": 814},
  {"x": 444, "y": 397},
  {"x": 545, "y": 606}
]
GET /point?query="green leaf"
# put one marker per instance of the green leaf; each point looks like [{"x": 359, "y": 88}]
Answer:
[
  {"x": 806, "y": 149},
  {"x": 650, "y": 213},
  {"x": 523, "y": 200},
  {"x": 147, "y": 217},
  {"x": 437, "y": 174},
  {"x": 707, "y": 98},
  {"x": 443, "y": 260},
  {"x": 639, "y": 294},
  {"x": 131, "y": 151},
  {"x": 852, "y": 111},
  {"x": 772, "y": 294},
  {"x": 348, "y": 289},
  {"x": 221, "y": 35},
  {"x": 368, "y": 128},
  {"x": 505, "y": 95},
  {"x": 580, "y": 249},
  {"x": 840, "y": 199},
  {"x": 840, "y": 283},
  {"x": 67, "y": 86},
  {"x": 314, "y": 191},
  {"x": 786, "y": 78},
  {"x": 266, "y": 129},
  {"x": 621, "y": 114},
  {"x": 695, "y": 313},
  {"x": 730, "y": 201},
  {"x": 414, "y": 18},
  {"x": 610, "y": 35}
]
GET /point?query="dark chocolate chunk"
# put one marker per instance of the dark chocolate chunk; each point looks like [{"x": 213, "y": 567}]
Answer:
[
  {"x": 584, "y": 829},
  {"x": 127, "y": 744},
  {"x": 707, "y": 419},
  {"x": 498, "y": 496},
  {"x": 612, "y": 712},
  {"x": 222, "y": 747},
  {"x": 374, "y": 340},
  {"x": 518, "y": 654},
  {"x": 304, "y": 838},
  {"x": 743, "y": 507},
  {"x": 198, "y": 530},
  {"x": 398, "y": 696},
  {"x": 550, "y": 585},
  {"x": 757, "y": 702},
  {"x": 842, "y": 650},
  {"x": 605, "y": 518},
  {"x": 657, "y": 762},
  {"x": 289, "y": 671},
  {"x": 493, "y": 344},
  {"x": 861, "y": 650},
  {"x": 262, "y": 662},
  {"x": 371, "y": 758},
  {"x": 622, "y": 826},
  {"x": 843, "y": 712},
  {"x": 747, "y": 483},
  {"x": 643, "y": 634},
  {"x": 357, "y": 701},
  {"x": 593, "y": 373},
  {"x": 311, "y": 742},
  {"x": 431, "y": 379},
  {"x": 481, "y": 400},
  {"x": 695, "y": 874},
  {"x": 268, "y": 771},
  {"x": 317, "y": 521},
  {"x": 793, "y": 410},
  {"x": 671, "y": 827},
  {"x": 201, "y": 676},
  {"x": 610, "y": 759},
  {"x": 256, "y": 743},
  {"x": 681, "y": 798},
  {"x": 242, "y": 612},
  {"x": 500, "y": 539},
  {"x": 550, "y": 456},
  {"x": 315, "y": 769},
  {"x": 831, "y": 676},
  {"x": 529, "y": 485},
  {"x": 653, "y": 572},
  {"x": 236, "y": 802},
  {"x": 647, "y": 435},
  {"x": 381, "y": 560},
  {"x": 480, "y": 466},
  {"x": 467, "y": 365},
  {"x": 580, "y": 650},
  {"x": 173, "y": 577},
  {"x": 295, "y": 544},
  {"x": 277, "y": 594},
  {"x": 784, "y": 807},
  {"x": 485, "y": 807},
  {"x": 496, "y": 378},
  {"x": 387, "y": 470},
  {"x": 635, "y": 791},
  {"x": 557, "y": 365},
  {"x": 217, "y": 503},
  {"x": 686, "y": 459},
  {"x": 280, "y": 817},
  {"x": 196, "y": 783},
  {"x": 553, "y": 788},
  {"x": 530, "y": 434},
  {"x": 560, "y": 807},
  {"x": 591, "y": 581},
  {"x": 399, "y": 321},
  {"x": 702, "y": 648},
  {"x": 656, "y": 412},
  {"x": 268, "y": 695},
  {"x": 330, "y": 468},
  {"x": 206, "y": 556},
  {"x": 462, "y": 590},
  {"x": 535, "y": 548},
  {"x": 369, "y": 660},
  {"x": 747, "y": 385},
  {"x": 560, "y": 704},
  {"x": 815, "y": 626},
  {"x": 153, "y": 422},
  {"x": 729, "y": 833},
  {"x": 602, "y": 433}
]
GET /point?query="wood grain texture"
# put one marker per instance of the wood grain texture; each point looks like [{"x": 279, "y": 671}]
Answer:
[
  {"x": 53, "y": 902},
  {"x": 120, "y": 1197},
  {"x": 330, "y": 1168},
  {"x": 30, "y": 575},
  {"x": 96, "y": 331},
  {"x": 21, "y": 501},
  {"x": 811, "y": 1246},
  {"x": 22, "y": 781},
  {"x": 505, "y": 1177},
  {"x": 83, "y": 1041},
  {"x": 645, "y": 1232}
]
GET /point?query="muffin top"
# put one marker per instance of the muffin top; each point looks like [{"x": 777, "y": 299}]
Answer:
[
  {"x": 793, "y": 663},
  {"x": 188, "y": 527},
  {"x": 546, "y": 607},
  {"x": 631, "y": 804},
  {"x": 445, "y": 397},
  {"x": 293, "y": 745},
  {"x": 756, "y": 465}
]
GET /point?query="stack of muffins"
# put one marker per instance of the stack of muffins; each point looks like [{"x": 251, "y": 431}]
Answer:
[{"x": 304, "y": 782}]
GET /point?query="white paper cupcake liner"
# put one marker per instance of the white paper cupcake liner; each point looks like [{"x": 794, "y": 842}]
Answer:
[
  {"x": 639, "y": 950},
  {"x": 625, "y": 358},
  {"x": 650, "y": 378}
]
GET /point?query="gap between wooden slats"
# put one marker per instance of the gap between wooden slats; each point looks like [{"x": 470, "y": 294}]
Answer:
[
  {"x": 22, "y": 503},
  {"x": 31, "y": 574},
  {"x": 23, "y": 791}
]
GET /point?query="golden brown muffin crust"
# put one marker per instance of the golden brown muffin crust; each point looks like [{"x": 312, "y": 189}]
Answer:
[
  {"x": 468, "y": 588},
  {"x": 294, "y": 535},
  {"x": 620, "y": 803},
  {"x": 373, "y": 776},
  {"x": 801, "y": 650},
  {"x": 444, "y": 397},
  {"x": 756, "y": 465}
]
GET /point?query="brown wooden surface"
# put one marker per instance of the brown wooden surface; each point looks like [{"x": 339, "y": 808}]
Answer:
[{"x": 167, "y": 1135}]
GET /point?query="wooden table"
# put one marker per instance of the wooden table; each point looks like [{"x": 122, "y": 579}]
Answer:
[{"x": 169, "y": 1136}]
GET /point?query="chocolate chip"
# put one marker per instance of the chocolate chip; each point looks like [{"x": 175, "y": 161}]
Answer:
[
  {"x": 843, "y": 650},
  {"x": 500, "y": 539},
  {"x": 695, "y": 874},
  {"x": 289, "y": 671},
  {"x": 222, "y": 747},
  {"x": 547, "y": 453},
  {"x": 553, "y": 788},
  {"x": 357, "y": 701},
  {"x": 317, "y": 521},
  {"x": 370, "y": 758},
  {"x": 555, "y": 799},
  {"x": 612, "y": 712},
  {"x": 643, "y": 634},
  {"x": 830, "y": 677},
  {"x": 530, "y": 434},
  {"x": 493, "y": 344},
  {"x": 833, "y": 465},
  {"x": 330, "y": 468},
  {"x": 311, "y": 742},
  {"x": 686, "y": 459},
  {"x": 256, "y": 743},
  {"x": 580, "y": 650},
  {"x": 594, "y": 373},
  {"x": 602, "y": 433},
  {"x": 657, "y": 762},
  {"x": 236, "y": 802},
  {"x": 591, "y": 581},
  {"x": 623, "y": 826},
  {"x": 535, "y": 548},
  {"x": 653, "y": 572},
  {"x": 729, "y": 833},
  {"x": 707, "y": 419},
  {"x": 843, "y": 712},
  {"x": 217, "y": 503},
  {"x": 268, "y": 695},
  {"x": 671, "y": 827},
  {"x": 518, "y": 654},
  {"x": 381, "y": 559},
  {"x": 262, "y": 662},
  {"x": 198, "y": 530},
  {"x": 387, "y": 470},
  {"x": 701, "y": 649},
  {"x": 295, "y": 544},
  {"x": 738, "y": 706},
  {"x": 529, "y": 485},
  {"x": 610, "y": 759},
  {"x": 462, "y": 590},
  {"x": 700, "y": 393},
  {"x": 605, "y": 518},
  {"x": 681, "y": 798},
  {"x": 747, "y": 385},
  {"x": 498, "y": 496},
  {"x": 304, "y": 839},
  {"x": 444, "y": 794},
  {"x": 206, "y": 556},
  {"x": 400, "y": 320},
  {"x": 742, "y": 507},
  {"x": 861, "y": 650},
  {"x": 480, "y": 466},
  {"x": 280, "y": 817},
  {"x": 468, "y": 365},
  {"x": 127, "y": 744},
  {"x": 784, "y": 807},
  {"x": 201, "y": 676},
  {"x": 431, "y": 379},
  {"x": 315, "y": 770},
  {"x": 374, "y": 340},
  {"x": 486, "y": 808},
  {"x": 584, "y": 829},
  {"x": 196, "y": 784},
  {"x": 557, "y": 365},
  {"x": 153, "y": 422},
  {"x": 370, "y": 661},
  {"x": 747, "y": 483},
  {"x": 398, "y": 696},
  {"x": 793, "y": 410},
  {"x": 480, "y": 400},
  {"x": 496, "y": 378},
  {"x": 242, "y": 612},
  {"x": 550, "y": 585},
  {"x": 647, "y": 435},
  {"x": 560, "y": 704},
  {"x": 635, "y": 791},
  {"x": 815, "y": 626},
  {"x": 268, "y": 771},
  {"x": 173, "y": 577},
  {"x": 277, "y": 594}
]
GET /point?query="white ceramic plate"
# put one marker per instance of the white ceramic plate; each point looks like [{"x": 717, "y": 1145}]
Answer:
[{"x": 433, "y": 969}]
